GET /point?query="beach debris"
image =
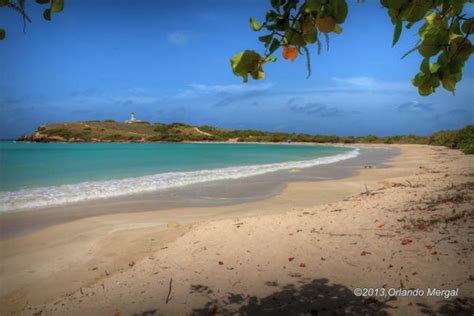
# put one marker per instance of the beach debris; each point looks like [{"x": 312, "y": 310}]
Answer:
[
  {"x": 117, "y": 313},
  {"x": 131, "y": 264},
  {"x": 381, "y": 225},
  {"x": 406, "y": 241},
  {"x": 365, "y": 253},
  {"x": 367, "y": 192},
  {"x": 323, "y": 259},
  {"x": 82, "y": 292},
  {"x": 221, "y": 263},
  {"x": 291, "y": 258},
  {"x": 107, "y": 273},
  {"x": 302, "y": 265},
  {"x": 169, "y": 291}
]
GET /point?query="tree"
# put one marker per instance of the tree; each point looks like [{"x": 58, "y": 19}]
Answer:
[
  {"x": 18, "y": 6},
  {"x": 294, "y": 25}
]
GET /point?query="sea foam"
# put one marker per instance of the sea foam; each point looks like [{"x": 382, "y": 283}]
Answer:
[{"x": 69, "y": 193}]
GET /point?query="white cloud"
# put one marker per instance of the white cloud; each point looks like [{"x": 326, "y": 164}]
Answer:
[
  {"x": 365, "y": 82},
  {"x": 368, "y": 84},
  {"x": 230, "y": 88},
  {"x": 415, "y": 106},
  {"x": 205, "y": 89},
  {"x": 178, "y": 38}
]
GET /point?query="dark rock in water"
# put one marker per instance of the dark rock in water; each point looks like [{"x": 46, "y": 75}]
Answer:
[{"x": 23, "y": 138}]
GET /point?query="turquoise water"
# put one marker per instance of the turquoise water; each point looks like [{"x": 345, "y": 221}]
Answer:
[{"x": 36, "y": 174}]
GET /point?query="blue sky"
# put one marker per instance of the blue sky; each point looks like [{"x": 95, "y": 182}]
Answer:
[{"x": 168, "y": 61}]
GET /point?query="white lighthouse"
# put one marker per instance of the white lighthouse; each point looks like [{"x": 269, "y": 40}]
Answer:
[{"x": 132, "y": 119}]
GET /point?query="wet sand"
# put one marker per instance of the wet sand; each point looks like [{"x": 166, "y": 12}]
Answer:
[
  {"x": 407, "y": 224},
  {"x": 210, "y": 194}
]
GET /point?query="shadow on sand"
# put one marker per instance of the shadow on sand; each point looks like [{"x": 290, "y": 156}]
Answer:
[{"x": 317, "y": 297}]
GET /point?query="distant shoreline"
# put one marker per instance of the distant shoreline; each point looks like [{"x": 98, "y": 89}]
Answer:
[{"x": 109, "y": 131}]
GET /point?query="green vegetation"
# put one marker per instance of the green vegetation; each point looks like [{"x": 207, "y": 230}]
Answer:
[
  {"x": 108, "y": 131},
  {"x": 55, "y": 6},
  {"x": 294, "y": 25},
  {"x": 462, "y": 139}
]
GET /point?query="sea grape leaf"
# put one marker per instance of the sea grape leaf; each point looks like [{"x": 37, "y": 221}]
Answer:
[
  {"x": 397, "y": 32},
  {"x": 47, "y": 14},
  {"x": 255, "y": 25},
  {"x": 247, "y": 62},
  {"x": 57, "y": 5}
]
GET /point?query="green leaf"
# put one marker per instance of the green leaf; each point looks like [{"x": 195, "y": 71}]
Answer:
[
  {"x": 294, "y": 38},
  {"x": 47, "y": 14},
  {"x": 271, "y": 58},
  {"x": 57, "y": 5},
  {"x": 312, "y": 36},
  {"x": 397, "y": 32},
  {"x": 433, "y": 18},
  {"x": 425, "y": 66},
  {"x": 419, "y": 78},
  {"x": 276, "y": 4},
  {"x": 274, "y": 46},
  {"x": 427, "y": 50},
  {"x": 468, "y": 26},
  {"x": 449, "y": 83},
  {"x": 271, "y": 16},
  {"x": 339, "y": 10},
  {"x": 434, "y": 81},
  {"x": 258, "y": 74},
  {"x": 434, "y": 68},
  {"x": 425, "y": 88},
  {"x": 442, "y": 59},
  {"x": 313, "y": 5},
  {"x": 42, "y": 1},
  {"x": 247, "y": 62},
  {"x": 255, "y": 25},
  {"x": 2, "y": 34},
  {"x": 416, "y": 10},
  {"x": 266, "y": 38}
]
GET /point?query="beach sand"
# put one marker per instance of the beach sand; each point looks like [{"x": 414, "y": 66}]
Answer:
[{"x": 303, "y": 251}]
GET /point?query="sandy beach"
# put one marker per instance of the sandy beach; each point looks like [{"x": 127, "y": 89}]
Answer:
[{"x": 404, "y": 226}]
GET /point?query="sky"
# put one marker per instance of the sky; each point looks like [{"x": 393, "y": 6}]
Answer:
[{"x": 168, "y": 61}]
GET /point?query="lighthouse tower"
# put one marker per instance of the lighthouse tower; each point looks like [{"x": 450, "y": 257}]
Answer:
[{"x": 132, "y": 119}]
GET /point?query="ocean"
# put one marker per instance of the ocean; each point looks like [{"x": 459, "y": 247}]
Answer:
[{"x": 38, "y": 175}]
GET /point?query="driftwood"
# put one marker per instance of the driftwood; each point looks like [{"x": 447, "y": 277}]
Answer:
[{"x": 169, "y": 291}]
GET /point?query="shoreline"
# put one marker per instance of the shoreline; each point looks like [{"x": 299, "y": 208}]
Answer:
[
  {"x": 206, "y": 194},
  {"x": 119, "y": 239},
  {"x": 85, "y": 190}
]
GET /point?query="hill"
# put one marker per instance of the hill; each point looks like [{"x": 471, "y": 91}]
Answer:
[{"x": 111, "y": 131}]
